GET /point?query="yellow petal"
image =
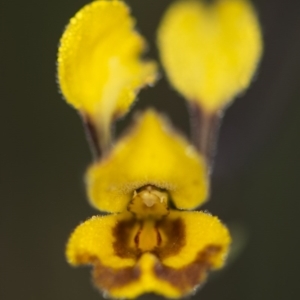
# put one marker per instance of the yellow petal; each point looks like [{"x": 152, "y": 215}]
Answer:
[
  {"x": 191, "y": 244},
  {"x": 201, "y": 233},
  {"x": 210, "y": 51},
  {"x": 99, "y": 65},
  {"x": 151, "y": 154},
  {"x": 94, "y": 239}
]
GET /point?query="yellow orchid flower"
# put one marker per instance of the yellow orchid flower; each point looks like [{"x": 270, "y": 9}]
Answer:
[{"x": 152, "y": 177}]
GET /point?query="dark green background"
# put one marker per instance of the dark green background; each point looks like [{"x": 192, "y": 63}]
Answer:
[{"x": 44, "y": 154}]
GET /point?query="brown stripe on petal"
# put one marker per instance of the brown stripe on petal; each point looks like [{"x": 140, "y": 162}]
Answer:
[
  {"x": 123, "y": 232},
  {"x": 173, "y": 231},
  {"x": 158, "y": 237},
  {"x": 106, "y": 278},
  {"x": 191, "y": 275}
]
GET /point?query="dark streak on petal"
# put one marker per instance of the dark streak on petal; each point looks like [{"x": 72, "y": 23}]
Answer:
[
  {"x": 170, "y": 238},
  {"x": 122, "y": 233},
  {"x": 107, "y": 278},
  {"x": 137, "y": 238},
  {"x": 159, "y": 240},
  {"x": 174, "y": 230},
  {"x": 193, "y": 274}
]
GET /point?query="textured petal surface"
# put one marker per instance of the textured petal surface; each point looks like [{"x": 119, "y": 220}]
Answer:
[
  {"x": 150, "y": 154},
  {"x": 197, "y": 243},
  {"x": 99, "y": 65},
  {"x": 94, "y": 239},
  {"x": 210, "y": 51},
  {"x": 200, "y": 231}
]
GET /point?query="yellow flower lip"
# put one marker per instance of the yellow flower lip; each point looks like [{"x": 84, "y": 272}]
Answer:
[
  {"x": 167, "y": 256},
  {"x": 210, "y": 51}
]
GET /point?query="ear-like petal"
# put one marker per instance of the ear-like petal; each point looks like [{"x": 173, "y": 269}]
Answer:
[
  {"x": 210, "y": 51},
  {"x": 150, "y": 154},
  {"x": 99, "y": 65}
]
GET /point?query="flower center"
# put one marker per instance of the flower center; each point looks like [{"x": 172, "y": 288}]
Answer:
[
  {"x": 148, "y": 226},
  {"x": 149, "y": 202}
]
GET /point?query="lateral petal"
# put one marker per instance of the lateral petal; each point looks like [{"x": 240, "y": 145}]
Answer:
[
  {"x": 210, "y": 51},
  {"x": 100, "y": 69}
]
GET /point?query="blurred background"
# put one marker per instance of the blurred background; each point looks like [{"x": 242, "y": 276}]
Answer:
[{"x": 255, "y": 184}]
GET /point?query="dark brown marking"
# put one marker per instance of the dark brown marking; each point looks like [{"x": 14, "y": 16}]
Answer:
[
  {"x": 122, "y": 233},
  {"x": 137, "y": 237},
  {"x": 107, "y": 278},
  {"x": 186, "y": 278},
  {"x": 174, "y": 231},
  {"x": 159, "y": 240},
  {"x": 170, "y": 238}
]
